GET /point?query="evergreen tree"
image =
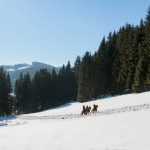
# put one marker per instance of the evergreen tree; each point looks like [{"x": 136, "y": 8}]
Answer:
[
  {"x": 147, "y": 48},
  {"x": 147, "y": 81},
  {"x": 131, "y": 54},
  {"x": 77, "y": 66},
  {"x": 139, "y": 74},
  {"x": 23, "y": 92},
  {"x": 54, "y": 77},
  {"x": 36, "y": 93},
  {"x": 27, "y": 94},
  {"x": 19, "y": 94},
  {"x": 5, "y": 90},
  {"x": 45, "y": 88},
  {"x": 86, "y": 79},
  {"x": 101, "y": 61},
  {"x": 71, "y": 82},
  {"x": 111, "y": 55}
]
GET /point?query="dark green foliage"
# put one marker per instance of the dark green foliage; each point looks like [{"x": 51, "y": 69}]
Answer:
[
  {"x": 67, "y": 84},
  {"x": 86, "y": 82},
  {"x": 139, "y": 76},
  {"x": 45, "y": 90},
  {"x": 121, "y": 64},
  {"x": 147, "y": 81},
  {"x": 5, "y": 97},
  {"x": 77, "y": 66},
  {"x": 101, "y": 60},
  {"x": 23, "y": 92},
  {"x": 147, "y": 49}
]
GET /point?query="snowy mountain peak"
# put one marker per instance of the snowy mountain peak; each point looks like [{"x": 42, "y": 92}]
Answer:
[{"x": 15, "y": 68}]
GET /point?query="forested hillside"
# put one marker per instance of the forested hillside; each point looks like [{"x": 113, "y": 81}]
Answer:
[{"x": 121, "y": 64}]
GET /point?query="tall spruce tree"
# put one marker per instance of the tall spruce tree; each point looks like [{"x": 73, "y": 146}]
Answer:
[
  {"x": 27, "y": 94},
  {"x": 101, "y": 60},
  {"x": 36, "y": 92},
  {"x": 55, "y": 83},
  {"x": 147, "y": 49},
  {"x": 5, "y": 90},
  {"x": 139, "y": 74},
  {"x": 86, "y": 78},
  {"x": 23, "y": 92}
]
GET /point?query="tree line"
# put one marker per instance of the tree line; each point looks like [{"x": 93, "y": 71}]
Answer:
[
  {"x": 121, "y": 65},
  {"x": 6, "y": 100},
  {"x": 45, "y": 90}
]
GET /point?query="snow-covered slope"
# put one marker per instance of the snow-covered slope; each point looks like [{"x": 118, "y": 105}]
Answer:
[
  {"x": 21, "y": 68},
  {"x": 122, "y": 123}
]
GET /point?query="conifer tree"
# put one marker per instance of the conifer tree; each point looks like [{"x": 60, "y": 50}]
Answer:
[
  {"x": 139, "y": 76},
  {"x": 23, "y": 92},
  {"x": 131, "y": 56},
  {"x": 27, "y": 94},
  {"x": 99, "y": 62},
  {"x": 77, "y": 66},
  {"x": 147, "y": 48},
  {"x": 5, "y": 90},
  {"x": 19, "y": 94},
  {"x": 55, "y": 83},
  {"x": 86, "y": 79},
  {"x": 36, "y": 92}
]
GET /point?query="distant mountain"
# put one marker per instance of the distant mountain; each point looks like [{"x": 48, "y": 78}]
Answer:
[{"x": 15, "y": 70}]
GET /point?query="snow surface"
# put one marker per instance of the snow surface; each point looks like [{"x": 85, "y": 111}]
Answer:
[
  {"x": 11, "y": 69},
  {"x": 122, "y": 123},
  {"x": 21, "y": 68}
]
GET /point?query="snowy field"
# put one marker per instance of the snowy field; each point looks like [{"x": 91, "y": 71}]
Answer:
[{"x": 122, "y": 123}]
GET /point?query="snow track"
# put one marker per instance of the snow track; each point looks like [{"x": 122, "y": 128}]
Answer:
[
  {"x": 99, "y": 113},
  {"x": 24, "y": 119}
]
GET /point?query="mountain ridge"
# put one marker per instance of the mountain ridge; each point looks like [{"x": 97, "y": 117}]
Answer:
[{"x": 15, "y": 70}]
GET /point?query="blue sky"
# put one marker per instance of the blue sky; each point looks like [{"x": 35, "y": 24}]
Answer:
[{"x": 57, "y": 31}]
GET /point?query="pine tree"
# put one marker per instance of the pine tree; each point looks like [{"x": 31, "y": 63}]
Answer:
[
  {"x": 19, "y": 94},
  {"x": 81, "y": 97},
  {"x": 104, "y": 60},
  {"x": 27, "y": 94},
  {"x": 61, "y": 88},
  {"x": 147, "y": 48},
  {"x": 36, "y": 93},
  {"x": 5, "y": 90},
  {"x": 139, "y": 76},
  {"x": 147, "y": 81},
  {"x": 131, "y": 57},
  {"x": 77, "y": 66},
  {"x": 45, "y": 88},
  {"x": 55, "y": 83},
  {"x": 23, "y": 92},
  {"x": 86, "y": 79},
  {"x": 111, "y": 55},
  {"x": 139, "y": 73}
]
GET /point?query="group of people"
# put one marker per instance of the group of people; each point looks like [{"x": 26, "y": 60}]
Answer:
[{"x": 86, "y": 110}]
